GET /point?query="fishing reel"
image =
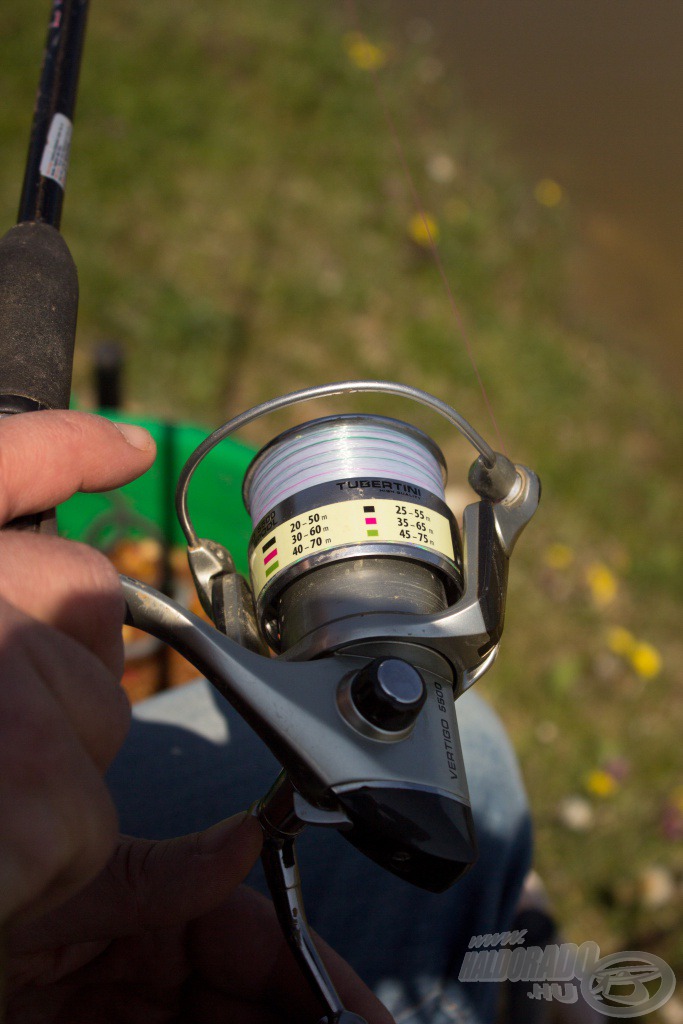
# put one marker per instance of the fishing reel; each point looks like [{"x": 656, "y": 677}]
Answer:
[
  {"x": 377, "y": 614},
  {"x": 367, "y": 616}
]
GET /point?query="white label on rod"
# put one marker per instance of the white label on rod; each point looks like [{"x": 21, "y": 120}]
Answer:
[{"x": 55, "y": 160}]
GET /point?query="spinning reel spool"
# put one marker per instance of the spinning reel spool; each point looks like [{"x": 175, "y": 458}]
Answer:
[
  {"x": 379, "y": 616},
  {"x": 348, "y": 510}
]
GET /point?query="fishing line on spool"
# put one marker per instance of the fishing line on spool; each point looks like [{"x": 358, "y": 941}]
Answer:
[
  {"x": 343, "y": 498},
  {"x": 348, "y": 446}
]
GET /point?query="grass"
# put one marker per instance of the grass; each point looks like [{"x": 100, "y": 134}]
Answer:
[{"x": 239, "y": 219}]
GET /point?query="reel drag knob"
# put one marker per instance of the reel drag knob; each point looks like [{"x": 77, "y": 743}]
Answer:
[{"x": 389, "y": 693}]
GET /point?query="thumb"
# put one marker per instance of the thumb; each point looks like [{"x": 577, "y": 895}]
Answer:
[
  {"x": 174, "y": 880},
  {"x": 153, "y": 884}
]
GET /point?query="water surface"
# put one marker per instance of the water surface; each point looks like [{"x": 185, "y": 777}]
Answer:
[{"x": 590, "y": 93}]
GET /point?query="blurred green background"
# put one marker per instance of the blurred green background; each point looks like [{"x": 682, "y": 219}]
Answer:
[{"x": 242, "y": 225}]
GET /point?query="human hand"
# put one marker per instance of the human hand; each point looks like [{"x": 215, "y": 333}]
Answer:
[
  {"x": 163, "y": 935},
  {"x": 63, "y": 714}
]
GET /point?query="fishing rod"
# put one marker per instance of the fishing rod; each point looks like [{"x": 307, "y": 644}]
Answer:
[
  {"x": 38, "y": 277},
  {"x": 367, "y": 613}
]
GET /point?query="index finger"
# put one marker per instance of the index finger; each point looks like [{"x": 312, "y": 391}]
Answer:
[{"x": 45, "y": 457}]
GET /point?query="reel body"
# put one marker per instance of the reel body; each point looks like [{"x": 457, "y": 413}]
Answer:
[{"x": 379, "y": 616}]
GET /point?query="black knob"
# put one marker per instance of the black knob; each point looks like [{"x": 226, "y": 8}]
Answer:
[{"x": 389, "y": 693}]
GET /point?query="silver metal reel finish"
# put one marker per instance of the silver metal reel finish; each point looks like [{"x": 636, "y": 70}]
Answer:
[{"x": 345, "y": 774}]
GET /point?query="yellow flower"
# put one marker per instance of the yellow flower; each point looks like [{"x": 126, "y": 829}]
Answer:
[
  {"x": 621, "y": 641},
  {"x": 602, "y": 583},
  {"x": 646, "y": 660},
  {"x": 601, "y": 784},
  {"x": 548, "y": 192},
  {"x": 364, "y": 54},
  {"x": 558, "y": 556},
  {"x": 423, "y": 229}
]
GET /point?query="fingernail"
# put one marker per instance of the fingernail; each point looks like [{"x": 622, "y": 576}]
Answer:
[{"x": 136, "y": 436}]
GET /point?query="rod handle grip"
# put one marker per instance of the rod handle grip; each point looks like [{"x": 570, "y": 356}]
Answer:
[{"x": 38, "y": 310}]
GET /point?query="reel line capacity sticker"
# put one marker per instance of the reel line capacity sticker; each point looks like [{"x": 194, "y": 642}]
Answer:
[{"x": 364, "y": 521}]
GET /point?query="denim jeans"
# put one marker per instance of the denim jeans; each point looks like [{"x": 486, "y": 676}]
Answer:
[{"x": 190, "y": 761}]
